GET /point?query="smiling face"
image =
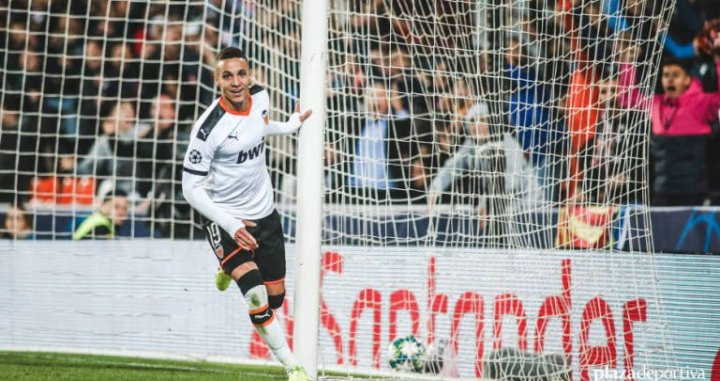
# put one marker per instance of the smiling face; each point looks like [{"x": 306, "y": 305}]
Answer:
[{"x": 233, "y": 77}]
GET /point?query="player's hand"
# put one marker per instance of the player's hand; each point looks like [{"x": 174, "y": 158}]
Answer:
[
  {"x": 244, "y": 239},
  {"x": 304, "y": 115}
]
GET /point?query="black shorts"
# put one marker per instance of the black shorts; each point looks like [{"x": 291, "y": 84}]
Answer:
[{"x": 269, "y": 256}]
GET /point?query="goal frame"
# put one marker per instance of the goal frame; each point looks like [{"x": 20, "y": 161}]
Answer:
[{"x": 313, "y": 66}]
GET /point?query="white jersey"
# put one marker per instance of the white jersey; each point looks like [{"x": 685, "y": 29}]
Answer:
[
  {"x": 226, "y": 156},
  {"x": 231, "y": 148}
]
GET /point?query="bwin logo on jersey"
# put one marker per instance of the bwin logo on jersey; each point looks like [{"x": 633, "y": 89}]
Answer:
[{"x": 251, "y": 153}]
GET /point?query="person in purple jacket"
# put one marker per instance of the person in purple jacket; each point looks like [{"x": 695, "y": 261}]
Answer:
[{"x": 683, "y": 117}]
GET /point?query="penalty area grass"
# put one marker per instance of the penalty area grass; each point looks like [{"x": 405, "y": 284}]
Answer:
[{"x": 41, "y": 366}]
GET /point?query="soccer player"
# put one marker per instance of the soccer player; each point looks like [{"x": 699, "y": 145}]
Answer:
[{"x": 226, "y": 180}]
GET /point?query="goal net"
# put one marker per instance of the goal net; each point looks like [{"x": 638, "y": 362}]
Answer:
[{"x": 485, "y": 163}]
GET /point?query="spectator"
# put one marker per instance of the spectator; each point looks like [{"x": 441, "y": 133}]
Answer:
[
  {"x": 155, "y": 150},
  {"x": 412, "y": 92},
  {"x": 682, "y": 120},
  {"x": 24, "y": 82},
  {"x": 613, "y": 170},
  {"x": 413, "y": 146},
  {"x": 705, "y": 71},
  {"x": 113, "y": 155},
  {"x": 375, "y": 166},
  {"x": 489, "y": 169},
  {"x": 23, "y": 134},
  {"x": 174, "y": 68},
  {"x": 103, "y": 223},
  {"x": 685, "y": 24},
  {"x": 17, "y": 224},
  {"x": 160, "y": 170},
  {"x": 527, "y": 105},
  {"x": 121, "y": 73},
  {"x": 90, "y": 95},
  {"x": 531, "y": 114},
  {"x": 17, "y": 156}
]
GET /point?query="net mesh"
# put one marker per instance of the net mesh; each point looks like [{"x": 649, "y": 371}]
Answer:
[
  {"x": 456, "y": 130},
  {"x": 505, "y": 111},
  {"x": 460, "y": 129},
  {"x": 100, "y": 97}
]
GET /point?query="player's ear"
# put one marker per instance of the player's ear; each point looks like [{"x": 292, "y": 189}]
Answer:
[
  {"x": 216, "y": 76},
  {"x": 217, "y": 71}
]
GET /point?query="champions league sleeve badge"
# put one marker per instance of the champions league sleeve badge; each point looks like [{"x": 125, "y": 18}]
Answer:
[{"x": 266, "y": 116}]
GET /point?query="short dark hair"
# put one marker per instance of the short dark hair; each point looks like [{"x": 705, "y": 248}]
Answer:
[
  {"x": 232, "y": 52},
  {"x": 672, "y": 61},
  {"x": 114, "y": 193}
]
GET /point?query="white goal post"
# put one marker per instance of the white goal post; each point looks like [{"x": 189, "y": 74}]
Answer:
[{"x": 310, "y": 189}]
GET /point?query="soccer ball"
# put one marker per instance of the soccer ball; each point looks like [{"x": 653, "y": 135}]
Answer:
[{"x": 406, "y": 354}]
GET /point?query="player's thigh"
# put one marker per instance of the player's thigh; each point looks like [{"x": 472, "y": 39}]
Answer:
[
  {"x": 226, "y": 250},
  {"x": 270, "y": 255}
]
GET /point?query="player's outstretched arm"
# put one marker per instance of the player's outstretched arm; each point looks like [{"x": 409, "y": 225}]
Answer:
[{"x": 293, "y": 124}]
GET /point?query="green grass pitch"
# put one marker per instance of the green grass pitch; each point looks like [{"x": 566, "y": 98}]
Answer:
[{"x": 37, "y": 366}]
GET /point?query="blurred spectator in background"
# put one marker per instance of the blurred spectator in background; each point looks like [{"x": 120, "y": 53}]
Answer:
[
  {"x": 17, "y": 224},
  {"x": 103, "y": 223},
  {"x": 687, "y": 21},
  {"x": 155, "y": 150},
  {"x": 374, "y": 169},
  {"x": 530, "y": 113},
  {"x": 17, "y": 157},
  {"x": 121, "y": 73},
  {"x": 488, "y": 171},
  {"x": 411, "y": 90},
  {"x": 705, "y": 70},
  {"x": 172, "y": 67},
  {"x": 112, "y": 157},
  {"x": 413, "y": 152},
  {"x": 528, "y": 104},
  {"x": 90, "y": 95},
  {"x": 683, "y": 117},
  {"x": 613, "y": 170}
]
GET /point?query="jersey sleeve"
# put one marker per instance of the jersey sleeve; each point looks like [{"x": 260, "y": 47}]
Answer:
[
  {"x": 273, "y": 127},
  {"x": 284, "y": 128},
  {"x": 200, "y": 152}
]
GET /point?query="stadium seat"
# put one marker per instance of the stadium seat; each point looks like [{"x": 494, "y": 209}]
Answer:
[
  {"x": 65, "y": 191},
  {"x": 77, "y": 191},
  {"x": 44, "y": 189}
]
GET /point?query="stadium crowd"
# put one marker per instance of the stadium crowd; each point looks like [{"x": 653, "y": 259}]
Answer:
[{"x": 109, "y": 90}]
